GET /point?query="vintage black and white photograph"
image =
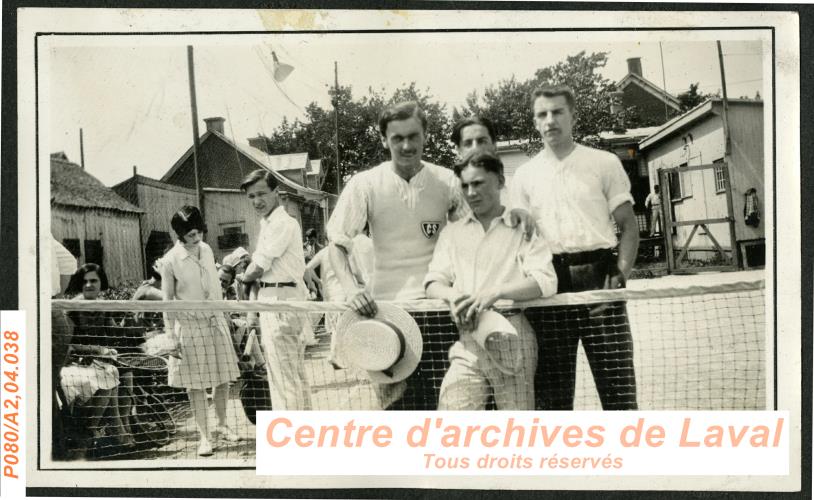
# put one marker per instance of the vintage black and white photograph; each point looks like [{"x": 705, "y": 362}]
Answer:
[{"x": 540, "y": 219}]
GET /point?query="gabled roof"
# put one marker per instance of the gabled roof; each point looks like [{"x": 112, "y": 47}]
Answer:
[
  {"x": 147, "y": 181},
  {"x": 681, "y": 122},
  {"x": 650, "y": 87},
  {"x": 260, "y": 159},
  {"x": 631, "y": 133},
  {"x": 72, "y": 186},
  {"x": 291, "y": 161}
]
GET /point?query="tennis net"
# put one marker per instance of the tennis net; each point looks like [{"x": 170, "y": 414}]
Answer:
[{"x": 692, "y": 348}]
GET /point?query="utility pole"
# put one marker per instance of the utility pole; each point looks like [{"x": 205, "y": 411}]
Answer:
[
  {"x": 81, "y": 150},
  {"x": 664, "y": 85},
  {"x": 336, "y": 128},
  {"x": 725, "y": 102},
  {"x": 195, "y": 142}
]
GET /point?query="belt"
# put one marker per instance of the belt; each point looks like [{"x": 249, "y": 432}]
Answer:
[
  {"x": 276, "y": 284},
  {"x": 582, "y": 258}
]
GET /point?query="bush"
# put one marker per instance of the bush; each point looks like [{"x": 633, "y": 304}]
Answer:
[{"x": 122, "y": 291}]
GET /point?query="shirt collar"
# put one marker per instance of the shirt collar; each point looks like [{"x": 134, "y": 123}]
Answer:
[
  {"x": 184, "y": 253},
  {"x": 274, "y": 214},
  {"x": 416, "y": 180},
  {"x": 506, "y": 217}
]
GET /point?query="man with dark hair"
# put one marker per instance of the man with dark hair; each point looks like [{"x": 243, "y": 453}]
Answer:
[
  {"x": 479, "y": 260},
  {"x": 473, "y": 132},
  {"x": 576, "y": 193},
  {"x": 406, "y": 201},
  {"x": 277, "y": 268}
]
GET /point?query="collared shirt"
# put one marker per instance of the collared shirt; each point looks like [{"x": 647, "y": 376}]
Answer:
[
  {"x": 470, "y": 259},
  {"x": 653, "y": 200},
  {"x": 405, "y": 219},
  {"x": 279, "y": 249},
  {"x": 194, "y": 278},
  {"x": 572, "y": 199},
  {"x": 352, "y": 209}
]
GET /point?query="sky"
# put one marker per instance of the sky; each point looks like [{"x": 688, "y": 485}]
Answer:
[{"x": 131, "y": 97}]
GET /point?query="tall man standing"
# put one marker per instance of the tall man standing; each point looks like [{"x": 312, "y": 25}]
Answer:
[
  {"x": 277, "y": 268},
  {"x": 406, "y": 201},
  {"x": 576, "y": 193}
]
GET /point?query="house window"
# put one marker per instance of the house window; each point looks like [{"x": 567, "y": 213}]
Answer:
[
  {"x": 680, "y": 184},
  {"x": 720, "y": 178},
  {"x": 233, "y": 235}
]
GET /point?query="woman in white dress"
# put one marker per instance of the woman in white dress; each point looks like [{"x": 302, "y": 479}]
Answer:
[{"x": 207, "y": 357}]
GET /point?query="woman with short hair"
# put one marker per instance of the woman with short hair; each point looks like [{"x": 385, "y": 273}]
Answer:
[{"x": 207, "y": 357}]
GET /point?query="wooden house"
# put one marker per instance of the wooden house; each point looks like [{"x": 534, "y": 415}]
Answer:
[
  {"x": 94, "y": 223},
  {"x": 222, "y": 165},
  {"x": 159, "y": 201},
  {"x": 653, "y": 104},
  {"x": 698, "y": 138}
]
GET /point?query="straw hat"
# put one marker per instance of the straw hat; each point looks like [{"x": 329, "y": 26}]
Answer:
[
  {"x": 503, "y": 347},
  {"x": 233, "y": 258},
  {"x": 388, "y": 346}
]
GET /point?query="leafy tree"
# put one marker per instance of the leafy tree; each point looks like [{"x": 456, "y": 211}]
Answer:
[
  {"x": 692, "y": 97},
  {"x": 359, "y": 140},
  {"x": 508, "y": 104}
]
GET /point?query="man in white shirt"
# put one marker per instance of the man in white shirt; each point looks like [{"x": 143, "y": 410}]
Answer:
[
  {"x": 277, "y": 269},
  {"x": 478, "y": 260},
  {"x": 653, "y": 202},
  {"x": 576, "y": 193},
  {"x": 406, "y": 201}
]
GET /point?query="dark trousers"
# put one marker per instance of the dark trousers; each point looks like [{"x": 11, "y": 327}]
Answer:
[
  {"x": 424, "y": 384},
  {"x": 603, "y": 329}
]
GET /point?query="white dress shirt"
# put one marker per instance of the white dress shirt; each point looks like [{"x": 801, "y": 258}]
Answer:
[
  {"x": 572, "y": 199},
  {"x": 279, "y": 249},
  {"x": 470, "y": 259}
]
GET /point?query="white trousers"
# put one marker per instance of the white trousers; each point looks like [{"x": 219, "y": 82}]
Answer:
[
  {"x": 284, "y": 345},
  {"x": 473, "y": 373}
]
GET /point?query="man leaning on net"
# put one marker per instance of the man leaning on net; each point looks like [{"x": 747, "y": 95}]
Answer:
[
  {"x": 277, "y": 268},
  {"x": 406, "y": 201},
  {"x": 479, "y": 260},
  {"x": 576, "y": 193}
]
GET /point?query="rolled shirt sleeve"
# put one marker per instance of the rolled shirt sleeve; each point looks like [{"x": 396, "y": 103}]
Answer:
[
  {"x": 441, "y": 268},
  {"x": 616, "y": 185},
  {"x": 536, "y": 262},
  {"x": 271, "y": 246},
  {"x": 350, "y": 215}
]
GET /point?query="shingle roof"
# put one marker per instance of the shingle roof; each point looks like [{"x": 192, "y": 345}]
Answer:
[
  {"x": 260, "y": 159},
  {"x": 72, "y": 186},
  {"x": 650, "y": 87}
]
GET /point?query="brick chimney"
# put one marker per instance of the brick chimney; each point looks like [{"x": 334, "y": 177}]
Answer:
[
  {"x": 214, "y": 124},
  {"x": 634, "y": 65}
]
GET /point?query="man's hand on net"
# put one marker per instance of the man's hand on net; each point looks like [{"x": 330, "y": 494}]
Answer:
[
  {"x": 312, "y": 281},
  {"x": 363, "y": 304},
  {"x": 457, "y": 309},
  {"x": 483, "y": 300}
]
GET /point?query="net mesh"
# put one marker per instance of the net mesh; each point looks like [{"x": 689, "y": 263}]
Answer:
[{"x": 697, "y": 348}]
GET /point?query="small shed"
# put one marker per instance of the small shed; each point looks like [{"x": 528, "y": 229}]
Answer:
[
  {"x": 697, "y": 138},
  {"x": 94, "y": 223},
  {"x": 159, "y": 201}
]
